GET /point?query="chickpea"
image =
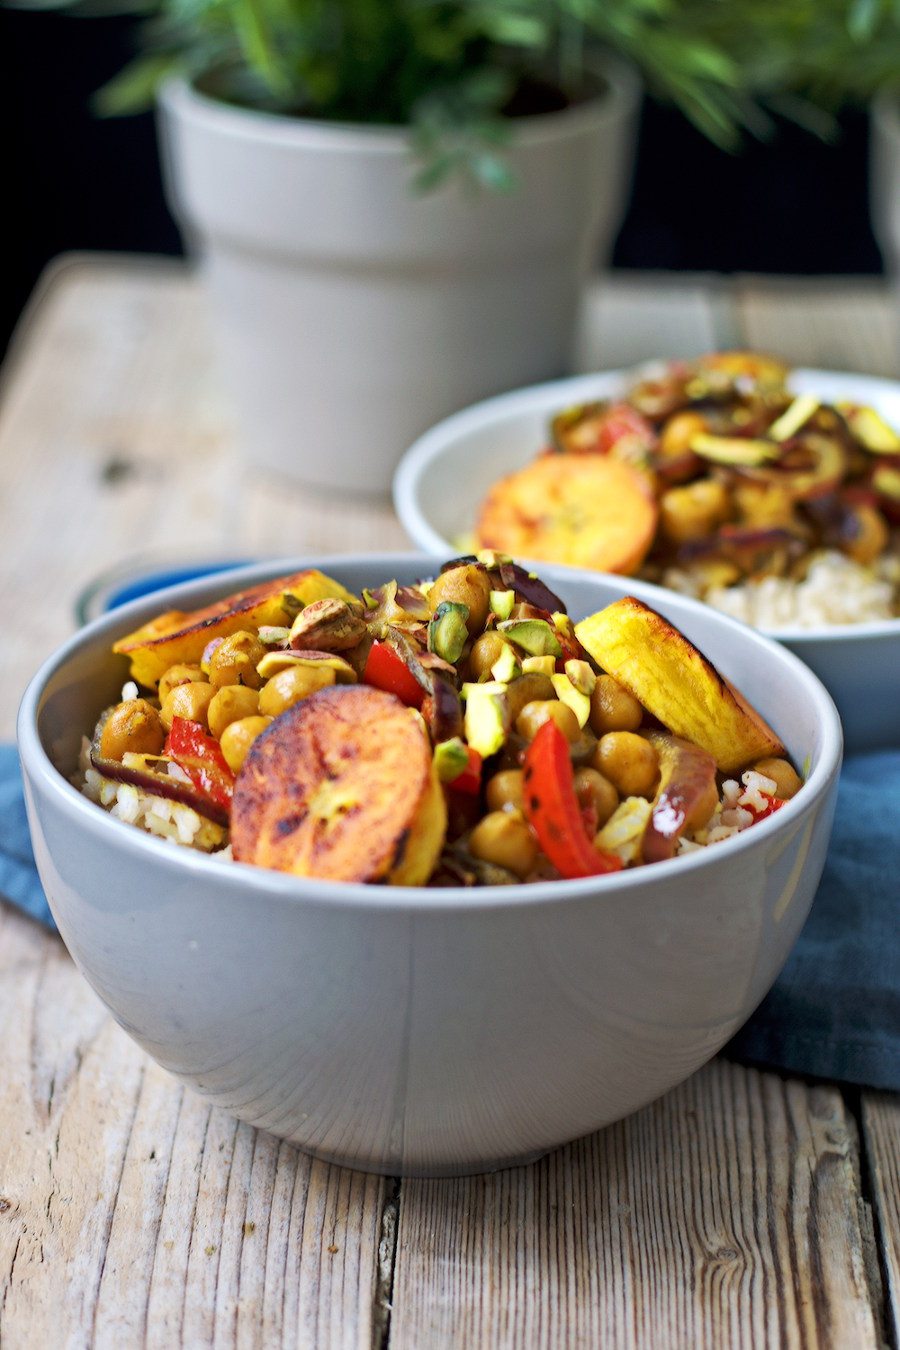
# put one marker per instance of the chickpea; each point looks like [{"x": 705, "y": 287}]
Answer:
[
  {"x": 786, "y": 778},
  {"x": 466, "y": 585},
  {"x": 238, "y": 737},
  {"x": 504, "y": 839},
  {"x": 235, "y": 659},
  {"x": 629, "y": 762},
  {"x": 485, "y": 652},
  {"x": 595, "y": 791},
  {"x": 678, "y": 433},
  {"x": 133, "y": 726},
  {"x": 613, "y": 708},
  {"x": 189, "y": 700},
  {"x": 693, "y": 511},
  {"x": 526, "y": 689},
  {"x": 179, "y": 674},
  {"x": 535, "y": 714},
  {"x": 230, "y": 704},
  {"x": 290, "y": 686},
  {"x": 505, "y": 790},
  {"x": 871, "y": 538},
  {"x": 702, "y": 809}
]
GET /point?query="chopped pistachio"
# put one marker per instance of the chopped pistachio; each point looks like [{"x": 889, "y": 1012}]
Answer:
[
  {"x": 491, "y": 558},
  {"x": 538, "y": 665},
  {"x": 624, "y": 831},
  {"x": 793, "y": 417},
  {"x": 506, "y": 667},
  {"x": 501, "y": 603},
  {"x": 568, "y": 694},
  {"x": 328, "y": 625},
  {"x": 271, "y": 635},
  {"x": 582, "y": 676},
  {"x": 534, "y": 636},
  {"x": 485, "y": 717},
  {"x": 734, "y": 450},
  {"x": 870, "y": 428},
  {"x": 447, "y": 631},
  {"x": 274, "y": 662},
  {"x": 451, "y": 758}
]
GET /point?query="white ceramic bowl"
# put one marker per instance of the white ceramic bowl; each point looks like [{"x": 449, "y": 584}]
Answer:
[
  {"x": 414, "y": 1030},
  {"x": 445, "y": 475}
]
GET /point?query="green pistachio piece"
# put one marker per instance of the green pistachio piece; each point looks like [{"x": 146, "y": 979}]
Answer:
[
  {"x": 451, "y": 758},
  {"x": 485, "y": 719},
  {"x": 734, "y": 450},
  {"x": 506, "y": 667},
  {"x": 538, "y": 665},
  {"x": 793, "y": 417},
  {"x": 447, "y": 631},
  {"x": 581, "y": 675},
  {"x": 568, "y": 694},
  {"x": 870, "y": 429},
  {"x": 501, "y": 603},
  {"x": 534, "y": 636}
]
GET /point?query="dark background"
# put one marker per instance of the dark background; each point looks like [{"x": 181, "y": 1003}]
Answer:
[{"x": 74, "y": 181}]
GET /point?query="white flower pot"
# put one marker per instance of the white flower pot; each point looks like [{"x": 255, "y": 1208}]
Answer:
[
  {"x": 884, "y": 178},
  {"x": 353, "y": 313}
]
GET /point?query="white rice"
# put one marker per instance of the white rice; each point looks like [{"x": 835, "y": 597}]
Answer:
[
  {"x": 835, "y": 590},
  {"x": 175, "y": 821}
]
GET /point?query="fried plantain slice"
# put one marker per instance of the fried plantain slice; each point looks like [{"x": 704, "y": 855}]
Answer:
[
  {"x": 177, "y": 637},
  {"x": 342, "y": 787},
  {"x": 587, "y": 510},
  {"x": 676, "y": 683}
]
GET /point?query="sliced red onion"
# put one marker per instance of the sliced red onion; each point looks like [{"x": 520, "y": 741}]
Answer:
[
  {"x": 530, "y": 588},
  {"x": 160, "y": 785}
]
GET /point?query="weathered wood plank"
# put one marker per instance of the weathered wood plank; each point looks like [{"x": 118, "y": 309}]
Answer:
[
  {"x": 133, "y": 1214},
  {"x": 725, "y": 1214},
  {"x": 835, "y": 324},
  {"x": 881, "y": 1141}
]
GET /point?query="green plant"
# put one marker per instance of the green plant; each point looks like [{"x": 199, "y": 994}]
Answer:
[{"x": 456, "y": 70}]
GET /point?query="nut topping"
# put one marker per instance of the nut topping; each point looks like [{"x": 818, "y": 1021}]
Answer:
[{"x": 327, "y": 626}]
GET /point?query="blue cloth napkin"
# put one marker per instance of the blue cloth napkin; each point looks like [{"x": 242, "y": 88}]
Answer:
[
  {"x": 835, "y": 1010},
  {"x": 18, "y": 874}
]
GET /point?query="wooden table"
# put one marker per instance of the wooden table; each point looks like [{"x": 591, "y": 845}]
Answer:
[{"x": 743, "y": 1209}]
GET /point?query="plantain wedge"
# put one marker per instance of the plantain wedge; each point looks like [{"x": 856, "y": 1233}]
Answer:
[
  {"x": 676, "y": 683},
  {"x": 342, "y": 787},
  {"x": 177, "y": 637}
]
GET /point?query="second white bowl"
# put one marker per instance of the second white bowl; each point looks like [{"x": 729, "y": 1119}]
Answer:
[{"x": 445, "y": 475}]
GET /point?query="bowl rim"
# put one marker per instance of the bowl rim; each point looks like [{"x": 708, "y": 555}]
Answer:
[
  {"x": 437, "y": 442},
  {"x": 183, "y": 861}
]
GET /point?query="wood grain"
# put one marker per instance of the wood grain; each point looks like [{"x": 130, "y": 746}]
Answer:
[
  {"x": 131, "y": 1213},
  {"x": 833, "y": 324},
  {"x": 881, "y": 1140},
  {"x": 723, "y": 1215},
  {"x": 728, "y": 1214}
]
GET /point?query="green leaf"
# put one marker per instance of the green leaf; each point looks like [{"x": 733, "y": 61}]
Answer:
[{"x": 134, "y": 88}]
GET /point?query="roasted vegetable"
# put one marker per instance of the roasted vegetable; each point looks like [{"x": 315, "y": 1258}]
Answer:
[
  {"x": 553, "y": 811},
  {"x": 177, "y": 637},
  {"x": 676, "y": 683},
  {"x": 585, "y": 510},
  {"x": 342, "y": 787},
  {"x": 686, "y": 797}
]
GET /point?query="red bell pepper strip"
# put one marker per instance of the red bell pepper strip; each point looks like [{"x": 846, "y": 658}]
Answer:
[
  {"x": 201, "y": 758},
  {"x": 553, "y": 810},
  {"x": 386, "y": 670},
  {"x": 469, "y": 781},
  {"x": 622, "y": 422},
  {"x": 775, "y": 804}
]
